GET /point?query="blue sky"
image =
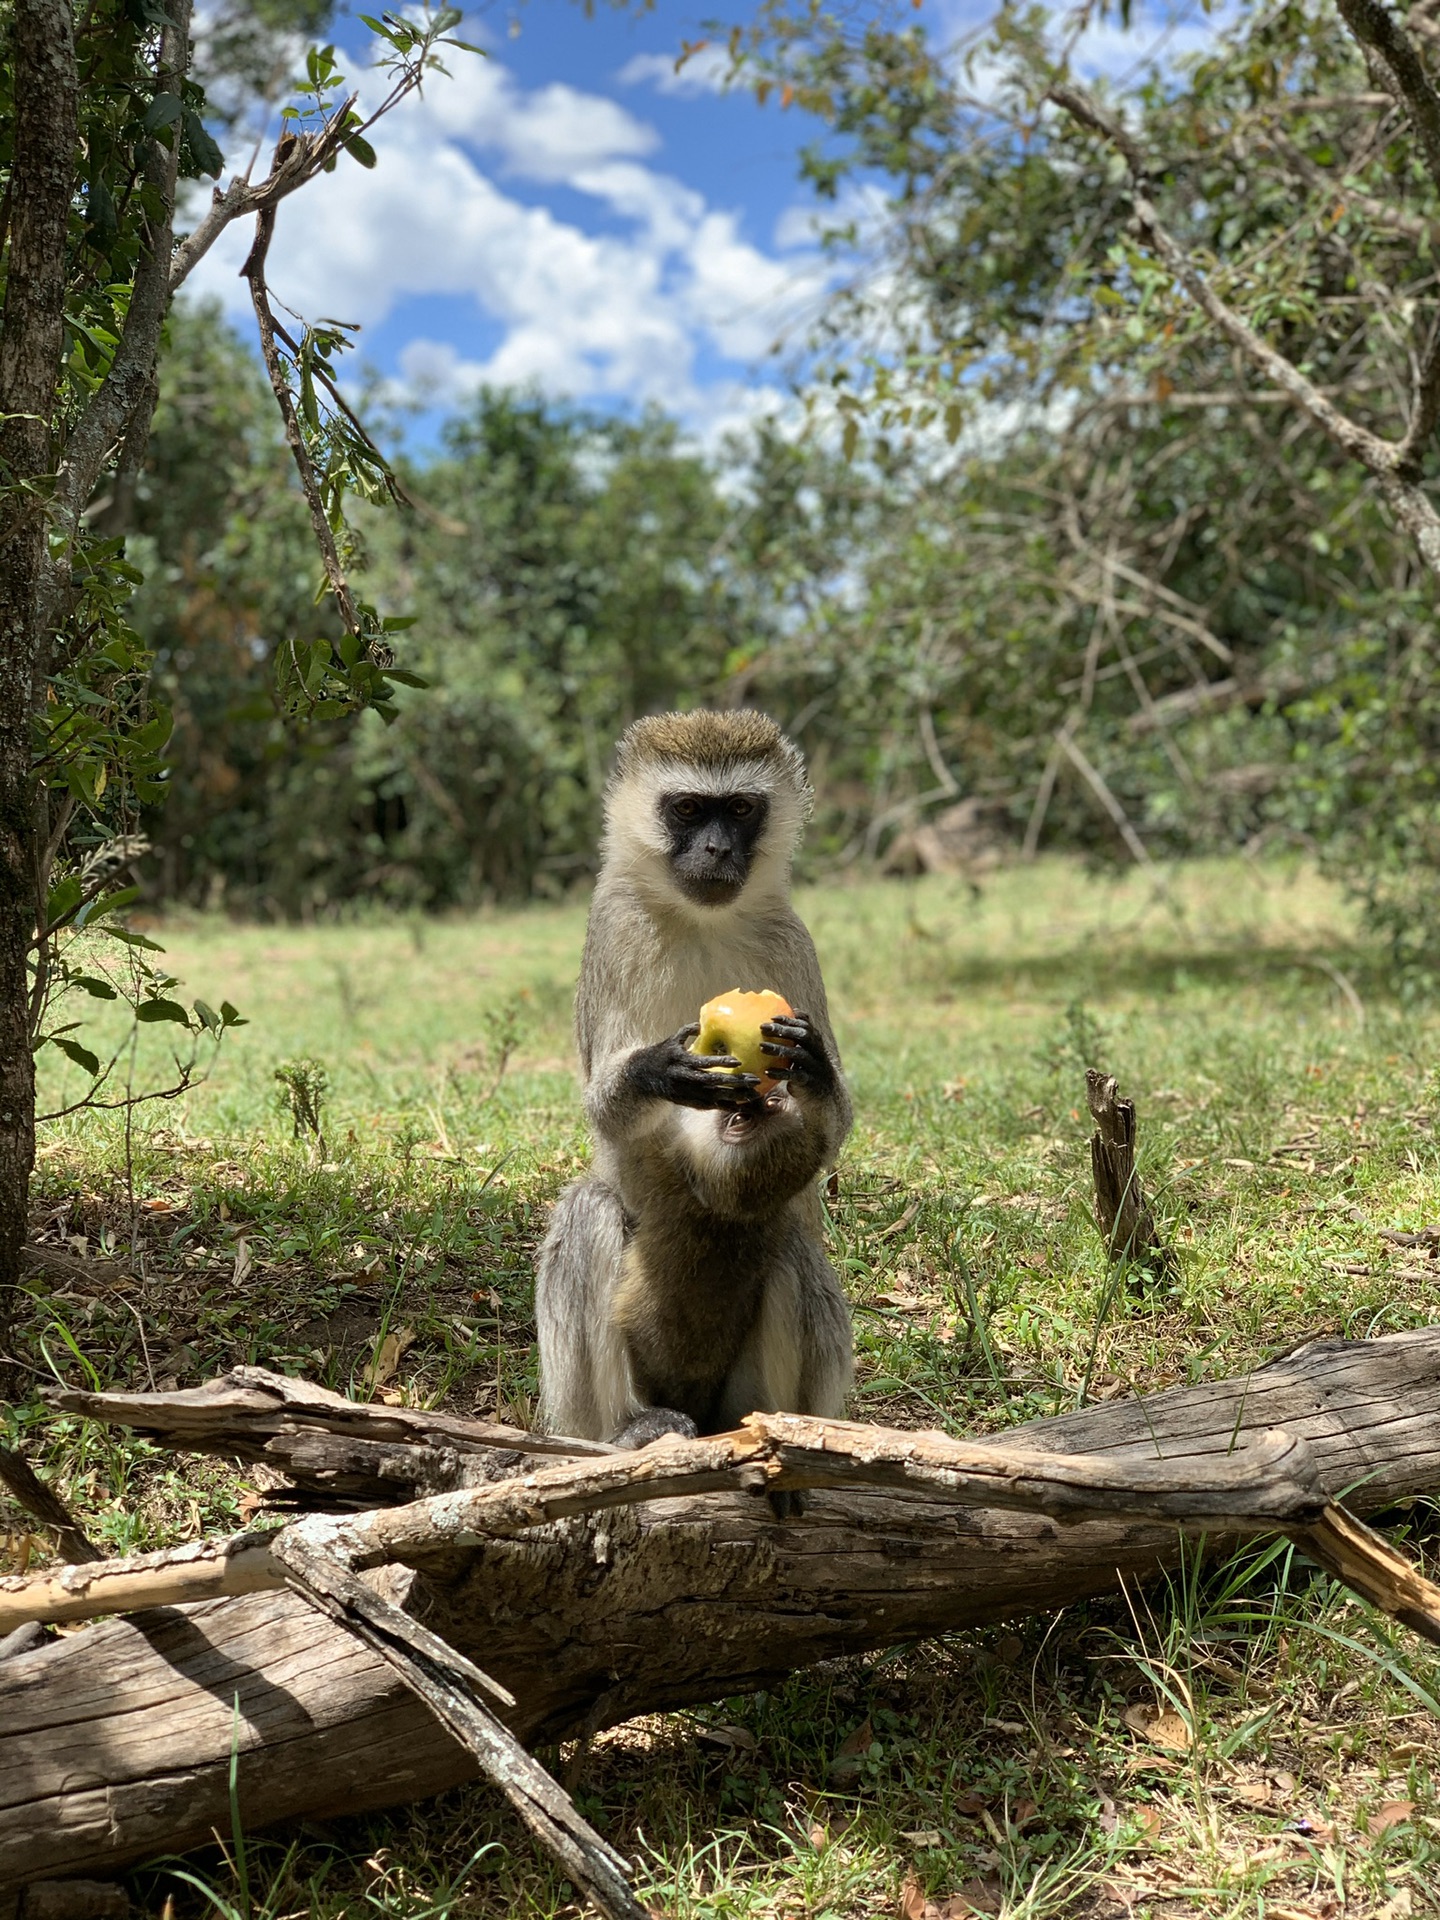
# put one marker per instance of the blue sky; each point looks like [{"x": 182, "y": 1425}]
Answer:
[{"x": 570, "y": 214}]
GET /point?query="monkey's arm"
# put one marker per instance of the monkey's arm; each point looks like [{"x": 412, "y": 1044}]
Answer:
[
  {"x": 821, "y": 1078},
  {"x": 633, "y": 1085}
]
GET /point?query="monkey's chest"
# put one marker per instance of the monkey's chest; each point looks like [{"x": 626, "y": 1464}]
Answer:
[{"x": 685, "y": 1306}]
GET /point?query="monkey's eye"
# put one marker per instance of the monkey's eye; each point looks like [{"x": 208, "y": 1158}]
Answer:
[
  {"x": 687, "y": 809},
  {"x": 740, "y": 808}
]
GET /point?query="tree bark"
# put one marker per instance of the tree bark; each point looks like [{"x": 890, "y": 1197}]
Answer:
[
  {"x": 115, "y": 1743},
  {"x": 32, "y": 344},
  {"x": 122, "y": 408}
]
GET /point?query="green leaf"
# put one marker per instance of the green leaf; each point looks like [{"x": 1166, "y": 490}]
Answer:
[
  {"x": 97, "y": 989},
  {"x": 231, "y": 1016},
  {"x": 63, "y": 898},
  {"x": 103, "y": 224},
  {"x": 82, "y": 1056},
  {"x": 110, "y": 903},
  {"x": 207, "y": 1016},
  {"x": 317, "y": 666},
  {"x": 206, "y": 154},
  {"x": 151, "y": 1011},
  {"x": 133, "y": 939},
  {"x": 153, "y": 735},
  {"x": 164, "y": 111},
  {"x": 360, "y": 149},
  {"x": 404, "y": 678}
]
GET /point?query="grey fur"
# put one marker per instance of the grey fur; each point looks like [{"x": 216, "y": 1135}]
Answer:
[{"x": 671, "y": 1195}]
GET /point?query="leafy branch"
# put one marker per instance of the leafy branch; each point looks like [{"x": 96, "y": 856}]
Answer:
[
  {"x": 333, "y": 452},
  {"x": 1394, "y": 465}
]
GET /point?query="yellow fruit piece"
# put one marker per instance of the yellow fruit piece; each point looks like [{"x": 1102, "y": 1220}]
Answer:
[{"x": 731, "y": 1023}]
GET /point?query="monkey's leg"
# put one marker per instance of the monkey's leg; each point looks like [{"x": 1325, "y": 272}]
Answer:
[
  {"x": 585, "y": 1383},
  {"x": 799, "y": 1358},
  {"x": 824, "y": 1336}
]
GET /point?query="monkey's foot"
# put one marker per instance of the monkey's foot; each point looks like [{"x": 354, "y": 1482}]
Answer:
[{"x": 653, "y": 1424}]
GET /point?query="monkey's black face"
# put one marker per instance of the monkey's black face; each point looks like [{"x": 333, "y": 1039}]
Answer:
[{"x": 713, "y": 838}]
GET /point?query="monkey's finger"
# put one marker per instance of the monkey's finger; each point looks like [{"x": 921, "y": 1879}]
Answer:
[
  {"x": 726, "y": 1074},
  {"x": 785, "y": 1028},
  {"x": 733, "y": 1095}
]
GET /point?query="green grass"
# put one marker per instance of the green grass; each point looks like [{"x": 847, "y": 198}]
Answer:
[{"x": 1287, "y": 1104}]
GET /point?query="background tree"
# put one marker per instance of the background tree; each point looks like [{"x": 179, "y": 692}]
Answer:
[
  {"x": 1181, "y": 343},
  {"x": 567, "y": 573},
  {"x": 103, "y": 119}
]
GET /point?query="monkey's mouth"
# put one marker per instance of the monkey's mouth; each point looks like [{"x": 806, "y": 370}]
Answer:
[{"x": 712, "y": 889}]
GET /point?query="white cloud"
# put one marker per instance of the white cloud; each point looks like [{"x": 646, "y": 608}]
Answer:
[
  {"x": 705, "y": 71},
  {"x": 543, "y": 135},
  {"x": 433, "y": 373},
  {"x": 625, "y": 314}
]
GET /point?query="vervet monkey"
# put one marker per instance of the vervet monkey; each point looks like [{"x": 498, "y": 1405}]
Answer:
[{"x": 683, "y": 1284}]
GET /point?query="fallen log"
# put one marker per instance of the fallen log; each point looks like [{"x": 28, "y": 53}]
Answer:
[{"x": 116, "y": 1743}]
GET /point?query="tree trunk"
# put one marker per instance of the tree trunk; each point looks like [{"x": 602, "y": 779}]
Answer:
[
  {"x": 115, "y": 1743},
  {"x": 32, "y": 342}
]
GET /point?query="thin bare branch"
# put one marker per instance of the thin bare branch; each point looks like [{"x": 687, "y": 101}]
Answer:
[
  {"x": 1425, "y": 409},
  {"x": 450, "y": 1687},
  {"x": 296, "y": 163},
  {"x": 253, "y": 271},
  {"x": 1044, "y": 793},
  {"x": 302, "y": 159},
  {"x": 1139, "y": 852},
  {"x": 88, "y": 1104},
  {"x": 42, "y": 1503}
]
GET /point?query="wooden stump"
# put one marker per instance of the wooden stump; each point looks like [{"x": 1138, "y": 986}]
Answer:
[{"x": 1122, "y": 1212}]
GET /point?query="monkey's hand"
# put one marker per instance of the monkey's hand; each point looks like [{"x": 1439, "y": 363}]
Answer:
[
  {"x": 669, "y": 1071},
  {"x": 795, "y": 1043}
]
